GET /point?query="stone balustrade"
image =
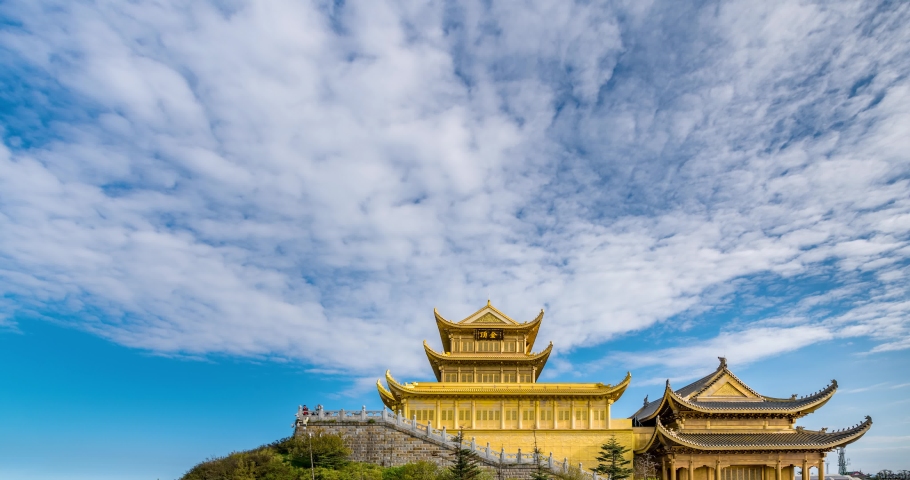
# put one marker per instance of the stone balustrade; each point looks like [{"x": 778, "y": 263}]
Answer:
[{"x": 417, "y": 429}]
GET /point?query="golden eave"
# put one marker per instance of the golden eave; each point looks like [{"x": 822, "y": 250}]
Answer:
[
  {"x": 387, "y": 398},
  {"x": 430, "y": 389},
  {"x": 445, "y": 326},
  {"x": 438, "y": 359}
]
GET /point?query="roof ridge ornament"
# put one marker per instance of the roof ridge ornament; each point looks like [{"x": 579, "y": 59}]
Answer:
[{"x": 723, "y": 363}]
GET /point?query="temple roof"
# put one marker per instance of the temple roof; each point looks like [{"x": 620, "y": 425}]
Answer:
[
  {"x": 509, "y": 358},
  {"x": 430, "y": 389},
  {"x": 723, "y": 392},
  {"x": 487, "y": 317},
  {"x": 799, "y": 439}
]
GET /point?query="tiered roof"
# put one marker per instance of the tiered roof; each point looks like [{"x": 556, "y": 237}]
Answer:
[
  {"x": 723, "y": 393},
  {"x": 438, "y": 360},
  {"x": 488, "y": 316},
  {"x": 396, "y": 392}
]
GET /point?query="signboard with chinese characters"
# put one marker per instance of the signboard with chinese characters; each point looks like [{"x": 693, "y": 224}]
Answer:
[{"x": 487, "y": 334}]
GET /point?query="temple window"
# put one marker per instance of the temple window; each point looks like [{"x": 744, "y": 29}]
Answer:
[
  {"x": 489, "y": 377},
  {"x": 510, "y": 346},
  {"x": 487, "y": 346},
  {"x": 467, "y": 377},
  {"x": 464, "y": 415},
  {"x": 527, "y": 415},
  {"x": 511, "y": 414},
  {"x": 600, "y": 415},
  {"x": 546, "y": 415},
  {"x": 424, "y": 415},
  {"x": 581, "y": 414},
  {"x": 467, "y": 346},
  {"x": 483, "y": 415},
  {"x": 565, "y": 415},
  {"x": 526, "y": 378},
  {"x": 509, "y": 377},
  {"x": 451, "y": 377},
  {"x": 447, "y": 415}
]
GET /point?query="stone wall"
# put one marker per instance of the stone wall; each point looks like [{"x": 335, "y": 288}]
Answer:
[{"x": 388, "y": 445}]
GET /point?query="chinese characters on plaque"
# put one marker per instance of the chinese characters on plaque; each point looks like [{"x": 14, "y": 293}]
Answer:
[{"x": 487, "y": 334}]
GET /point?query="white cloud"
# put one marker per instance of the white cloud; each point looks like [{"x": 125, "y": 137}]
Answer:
[{"x": 278, "y": 181}]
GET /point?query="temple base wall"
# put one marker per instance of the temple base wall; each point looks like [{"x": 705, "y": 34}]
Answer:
[{"x": 385, "y": 445}]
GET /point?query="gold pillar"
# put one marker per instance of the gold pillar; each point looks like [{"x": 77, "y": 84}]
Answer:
[
  {"x": 672, "y": 470},
  {"x": 717, "y": 471},
  {"x": 438, "y": 419},
  {"x": 537, "y": 414},
  {"x": 609, "y": 402},
  {"x": 689, "y": 475},
  {"x": 806, "y": 469},
  {"x": 473, "y": 413},
  {"x": 555, "y": 424},
  {"x": 779, "y": 476},
  {"x": 663, "y": 469},
  {"x": 534, "y": 375},
  {"x": 821, "y": 468}
]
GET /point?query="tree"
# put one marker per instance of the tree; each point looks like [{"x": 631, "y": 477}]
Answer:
[
  {"x": 464, "y": 465},
  {"x": 613, "y": 461},
  {"x": 328, "y": 449},
  {"x": 538, "y": 473},
  {"x": 645, "y": 467}
]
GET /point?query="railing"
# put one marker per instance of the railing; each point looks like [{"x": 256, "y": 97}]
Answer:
[{"x": 500, "y": 458}]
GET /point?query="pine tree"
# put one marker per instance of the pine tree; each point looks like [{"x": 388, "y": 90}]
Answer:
[
  {"x": 538, "y": 474},
  {"x": 613, "y": 461},
  {"x": 464, "y": 466}
]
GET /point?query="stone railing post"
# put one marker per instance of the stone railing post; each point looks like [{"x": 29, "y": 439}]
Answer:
[
  {"x": 565, "y": 465},
  {"x": 363, "y": 413},
  {"x": 473, "y": 444},
  {"x": 502, "y": 456},
  {"x": 385, "y": 415},
  {"x": 341, "y": 415},
  {"x": 414, "y": 422},
  {"x": 550, "y": 461},
  {"x": 594, "y": 472},
  {"x": 518, "y": 456},
  {"x": 445, "y": 436},
  {"x": 429, "y": 427}
]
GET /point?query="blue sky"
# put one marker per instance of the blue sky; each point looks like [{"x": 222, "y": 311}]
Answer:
[{"x": 211, "y": 212}]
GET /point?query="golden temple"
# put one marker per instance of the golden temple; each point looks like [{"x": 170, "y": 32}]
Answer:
[{"x": 487, "y": 386}]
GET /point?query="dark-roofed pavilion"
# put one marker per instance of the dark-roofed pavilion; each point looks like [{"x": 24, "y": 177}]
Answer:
[{"x": 717, "y": 428}]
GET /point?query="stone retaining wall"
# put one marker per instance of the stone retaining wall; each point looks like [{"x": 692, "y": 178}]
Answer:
[{"x": 387, "y": 445}]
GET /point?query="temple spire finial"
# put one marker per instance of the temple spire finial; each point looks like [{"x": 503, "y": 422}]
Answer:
[{"x": 723, "y": 362}]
